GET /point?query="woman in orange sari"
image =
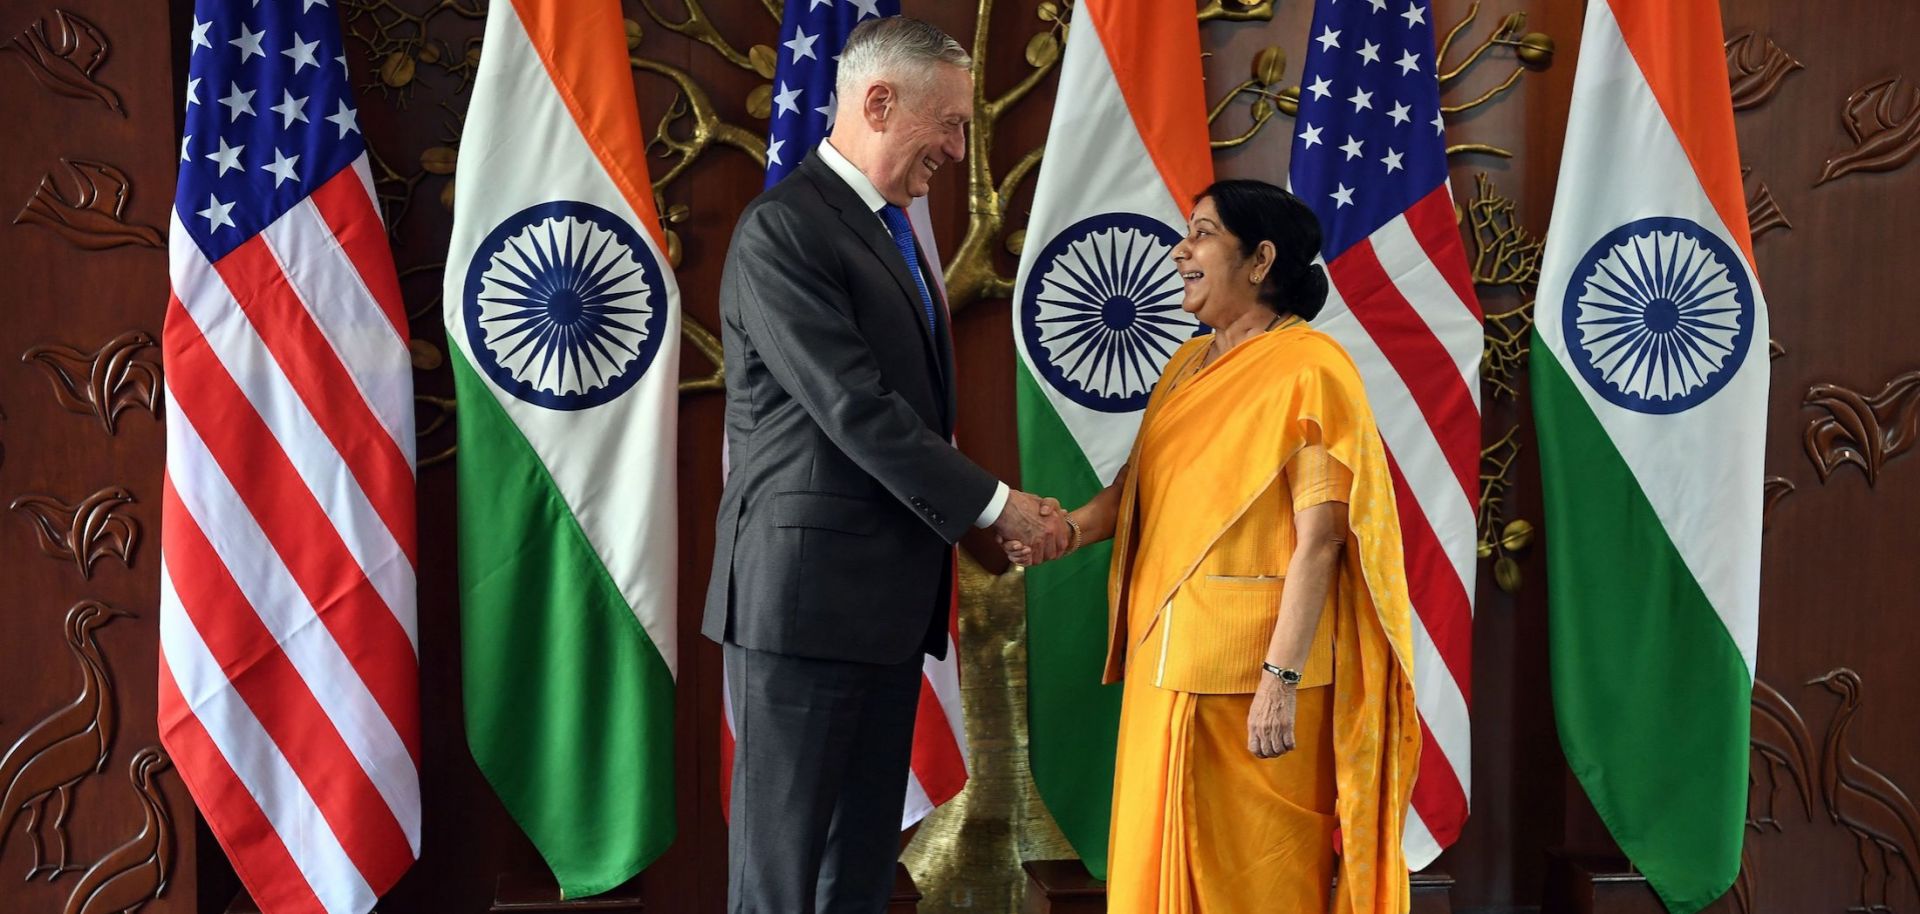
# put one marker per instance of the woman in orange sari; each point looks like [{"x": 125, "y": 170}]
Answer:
[{"x": 1258, "y": 610}]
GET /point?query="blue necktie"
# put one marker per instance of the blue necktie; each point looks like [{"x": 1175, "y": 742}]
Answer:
[{"x": 902, "y": 231}]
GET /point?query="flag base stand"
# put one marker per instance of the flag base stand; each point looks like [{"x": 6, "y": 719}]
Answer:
[
  {"x": 536, "y": 893},
  {"x": 1065, "y": 887},
  {"x": 1596, "y": 884}
]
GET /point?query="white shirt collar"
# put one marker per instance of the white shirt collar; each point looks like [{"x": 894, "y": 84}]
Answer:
[{"x": 854, "y": 177}]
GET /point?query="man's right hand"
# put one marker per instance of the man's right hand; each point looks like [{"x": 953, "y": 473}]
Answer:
[{"x": 1037, "y": 525}]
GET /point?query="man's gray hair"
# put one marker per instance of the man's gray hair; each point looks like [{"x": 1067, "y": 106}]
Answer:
[{"x": 896, "y": 47}]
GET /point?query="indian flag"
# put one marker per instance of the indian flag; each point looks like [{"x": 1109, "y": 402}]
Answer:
[
  {"x": 563, "y": 318},
  {"x": 1096, "y": 316},
  {"x": 1650, "y": 385}
]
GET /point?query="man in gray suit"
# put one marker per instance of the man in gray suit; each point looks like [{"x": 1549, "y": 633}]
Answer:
[{"x": 831, "y": 572}]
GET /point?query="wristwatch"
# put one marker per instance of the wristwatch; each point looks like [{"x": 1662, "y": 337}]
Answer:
[{"x": 1290, "y": 677}]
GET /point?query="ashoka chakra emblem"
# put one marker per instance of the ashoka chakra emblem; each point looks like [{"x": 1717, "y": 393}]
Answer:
[
  {"x": 1100, "y": 312},
  {"x": 565, "y": 306},
  {"x": 1659, "y": 315}
]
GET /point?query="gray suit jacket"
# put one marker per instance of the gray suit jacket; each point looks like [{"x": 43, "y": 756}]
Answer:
[{"x": 844, "y": 496}]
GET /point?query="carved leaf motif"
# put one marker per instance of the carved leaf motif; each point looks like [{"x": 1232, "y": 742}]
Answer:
[
  {"x": 138, "y": 870},
  {"x": 1763, "y": 213},
  {"x": 65, "y": 62},
  {"x": 1756, "y": 66},
  {"x": 84, "y": 532},
  {"x": 1883, "y": 118},
  {"x": 102, "y": 383},
  {"x": 91, "y": 219},
  {"x": 1860, "y": 430},
  {"x": 1776, "y": 489}
]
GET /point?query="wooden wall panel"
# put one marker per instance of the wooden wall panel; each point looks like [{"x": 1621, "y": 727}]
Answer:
[{"x": 1830, "y": 127}]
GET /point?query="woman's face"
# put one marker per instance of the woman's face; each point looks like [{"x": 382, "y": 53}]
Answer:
[{"x": 1218, "y": 279}]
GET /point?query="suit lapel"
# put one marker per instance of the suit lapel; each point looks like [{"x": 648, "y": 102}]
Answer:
[{"x": 866, "y": 225}]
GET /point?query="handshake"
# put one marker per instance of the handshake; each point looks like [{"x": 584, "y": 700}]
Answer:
[{"x": 1033, "y": 530}]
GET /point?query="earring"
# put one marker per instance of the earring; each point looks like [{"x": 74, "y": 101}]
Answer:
[{"x": 1257, "y": 277}]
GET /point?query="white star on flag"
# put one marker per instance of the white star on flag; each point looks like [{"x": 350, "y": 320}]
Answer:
[
  {"x": 1439, "y": 124},
  {"x": 1391, "y": 160},
  {"x": 773, "y": 151},
  {"x": 1352, "y": 147},
  {"x": 1343, "y": 196},
  {"x": 345, "y": 119},
  {"x": 1414, "y": 15},
  {"x": 1329, "y": 39},
  {"x": 1361, "y": 99},
  {"x": 200, "y": 33},
  {"x": 302, "y": 53},
  {"x": 193, "y": 91},
  {"x": 237, "y": 102},
  {"x": 1370, "y": 52},
  {"x": 216, "y": 213},
  {"x": 248, "y": 43},
  {"x": 282, "y": 167},
  {"x": 228, "y": 157},
  {"x": 783, "y": 100},
  {"x": 831, "y": 109},
  {"x": 290, "y": 109},
  {"x": 307, "y": 5},
  {"x": 184, "y": 157},
  {"x": 1310, "y": 136},
  {"x": 866, "y": 8},
  {"x": 1378, "y": 5},
  {"x": 1408, "y": 63},
  {"x": 801, "y": 44},
  {"x": 1321, "y": 87},
  {"x": 1399, "y": 113}
]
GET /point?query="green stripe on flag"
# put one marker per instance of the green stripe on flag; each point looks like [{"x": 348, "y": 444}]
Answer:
[
  {"x": 569, "y": 706},
  {"x": 1072, "y": 720},
  {"x": 1650, "y": 693}
]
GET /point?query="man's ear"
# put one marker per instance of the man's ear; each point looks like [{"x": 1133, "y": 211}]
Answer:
[{"x": 878, "y": 104}]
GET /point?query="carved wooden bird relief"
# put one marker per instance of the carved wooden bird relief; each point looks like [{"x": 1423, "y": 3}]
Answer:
[
  {"x": 45, "y": 763},
  {"x": 1884, "y": 823},
  {"x": 137, "y": 871}
]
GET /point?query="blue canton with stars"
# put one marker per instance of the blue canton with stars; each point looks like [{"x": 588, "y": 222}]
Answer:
[
  {"x": 1369, "y": 140},
  {"x": 812, "y": 32},
  {"x": 270, "y": 115}
]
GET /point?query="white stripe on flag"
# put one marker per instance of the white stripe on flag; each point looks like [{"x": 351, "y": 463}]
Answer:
[
  {"x": 1442, "y": 705},
  {"x": 1419, "y": 843},
  {"x": 257, "y": 761},
  {"x": 918, "y": 805},
  {"x": 328, "y": 284},
  {"x": 276, "y": 598},
  {"x": 943, "y": 676},
  {"x": 205, "y": 299},
  {"x": 1433, "y": 298},
  {"x": 1406, "y": 433}
]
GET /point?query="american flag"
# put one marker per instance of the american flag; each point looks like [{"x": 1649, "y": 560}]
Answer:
[
  {"x": 1369, "y": 156},
  {"x": 812, "y": 33},
  {"x": 289, "y": 693}
]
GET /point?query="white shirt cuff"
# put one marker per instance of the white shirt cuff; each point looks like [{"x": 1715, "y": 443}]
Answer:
[{"x": 994, "y": 506}]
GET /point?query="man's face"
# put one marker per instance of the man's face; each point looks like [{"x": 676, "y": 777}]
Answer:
[{"x": 925, "y": 128}]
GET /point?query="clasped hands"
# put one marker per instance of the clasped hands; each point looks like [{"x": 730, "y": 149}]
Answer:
[{"x": 1032, "y": 529}]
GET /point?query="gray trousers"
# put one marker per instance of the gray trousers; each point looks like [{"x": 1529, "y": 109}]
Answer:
[{"x": 821, "y": 750}]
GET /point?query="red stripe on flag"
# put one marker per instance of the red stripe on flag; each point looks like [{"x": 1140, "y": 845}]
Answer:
[
  {"x": 936, "y": 754},
  {"x": 1418, "y": 357},
  {"x": 295, "y": 523},
  {"x": 324, "y": 384},
  {"x": 343, "y": 203},
  {"x": 281, "y": 700},
  {"x": 1433, "y": 225},
  {"x": 1437, "y": 794},
  {"x": 257, "y": 853},
  {"x": 1434, "y": 586}
]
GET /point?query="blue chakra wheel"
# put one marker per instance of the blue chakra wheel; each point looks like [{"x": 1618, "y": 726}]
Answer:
[
  {"x": 564, "y": 304},
  {"x": 1658, "y": 315},
  {"x": 1100, "y": 313}
]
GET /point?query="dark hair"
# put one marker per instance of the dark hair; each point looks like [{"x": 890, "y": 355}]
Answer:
[{"x": 1255, "y": 211}]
